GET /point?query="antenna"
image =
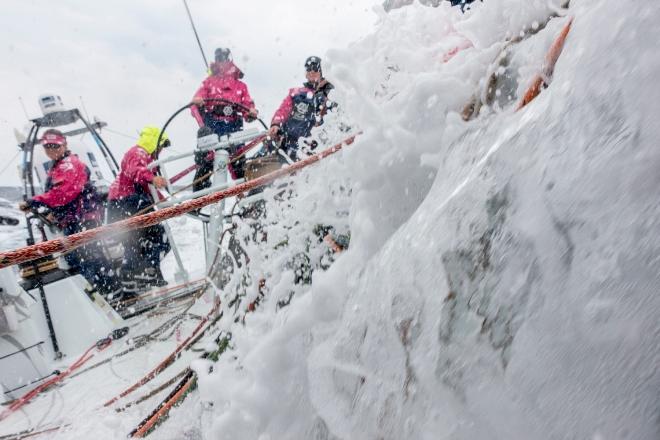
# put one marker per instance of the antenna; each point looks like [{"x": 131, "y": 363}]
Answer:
[
  {"x": 20, "y": 99},
  {"x": 199, "y": 43},
  {"x": 82, "y": 103}
]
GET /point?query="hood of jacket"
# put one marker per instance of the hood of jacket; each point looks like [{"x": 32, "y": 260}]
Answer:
[
  {"x": 149, "y": 137},
  {"x": 225, "y": 69}
]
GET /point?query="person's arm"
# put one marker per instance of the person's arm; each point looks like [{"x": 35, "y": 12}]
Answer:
[
  {"x": 322, "y": 102},
  {"x": 141, "y": 174},
  {"x": 136, "y": 168},
  {"x": 199, "y": 97},
  {"x": 68, "y": 181},
  {"x": 247, "y": 101},
  {"x": 284, "y": 111}
]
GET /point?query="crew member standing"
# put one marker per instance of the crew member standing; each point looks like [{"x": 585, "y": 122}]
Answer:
[
  {"x": 129, "y": 194},
  {"x": 302, "y": 109},
  {"x": 222, "y": 103}
]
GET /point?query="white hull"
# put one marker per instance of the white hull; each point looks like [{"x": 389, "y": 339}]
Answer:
[{"x": 27, "y": 352}]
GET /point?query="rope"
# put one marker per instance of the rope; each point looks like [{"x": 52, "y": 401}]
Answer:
[
  {"x": 62, "y": 244},
  {"x": 106, "y": 342},
  {"x": 139, "y": 341},
  {"x": 54, "y": 373},
  {"x": 170, "y": 358},
  {"x": 183, "y": 387},
  {"x": 21, "y": 350},
  {"x": 32, "y": 432},
  {"x": 87, "y": 355},
  {"x": 179, "y": 392},
  {"x": 188, "y": 383},
  {"x": 161, "y": 292},
  {"x": 542, "y": 79},
  {"x": 164, "y": 408},
  {"x": 155, "y": 391}
]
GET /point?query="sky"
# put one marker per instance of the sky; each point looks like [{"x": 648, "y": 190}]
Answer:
[{"x": 134, "y": 63}]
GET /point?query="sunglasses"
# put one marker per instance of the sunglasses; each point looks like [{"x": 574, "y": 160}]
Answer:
[{"x": 52, "y": 146}]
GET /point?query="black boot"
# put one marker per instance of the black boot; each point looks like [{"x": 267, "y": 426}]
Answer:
[
  {"x": 160, "y": 279},
  {"x": 112, "y": 294},
  {"x": 129, "y": 283},
  {"x": 125, "y": 295}
]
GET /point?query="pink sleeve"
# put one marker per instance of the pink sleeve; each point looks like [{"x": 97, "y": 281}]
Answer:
[
  {"x": 246, "y": 99},
  {"x": 137, "y": 170},
  {"x": 68, "y": 181},
  {"x": 202, "y": 92},
  {"x": 282, "y": 113}
]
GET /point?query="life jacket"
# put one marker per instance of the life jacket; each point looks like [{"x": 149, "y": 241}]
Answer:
[
  {"x": 303, "y": 114},
  {"x": 307, "y": 107}
]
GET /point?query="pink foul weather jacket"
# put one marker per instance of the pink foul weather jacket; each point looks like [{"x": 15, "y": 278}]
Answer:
[
  {"x": 284, "y": 112},
  {"x": 134, "y": 174},
  {"x": 64, "y": 188},
  {"x": 223, "y": 83}
]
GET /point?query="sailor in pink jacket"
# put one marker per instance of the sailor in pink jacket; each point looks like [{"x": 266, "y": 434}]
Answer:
[
  {"x": 302, "y": 109},
  {"x": 67, "y": 178},
  {"x": 72, "y": 201},
  {"x": 135, "y": 176},
  {"x": 222, "y": 118},
  {"x": 129, "y": 195},
  {"x": 223, "y": 83}
]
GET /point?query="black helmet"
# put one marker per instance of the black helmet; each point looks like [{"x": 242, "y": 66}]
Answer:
[
  {"x": 222, "y": 54},
  {"x": 313, "y": 64}
]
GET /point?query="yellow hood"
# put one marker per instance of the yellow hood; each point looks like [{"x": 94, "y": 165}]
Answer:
[{"x": 149, "y": 137}]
